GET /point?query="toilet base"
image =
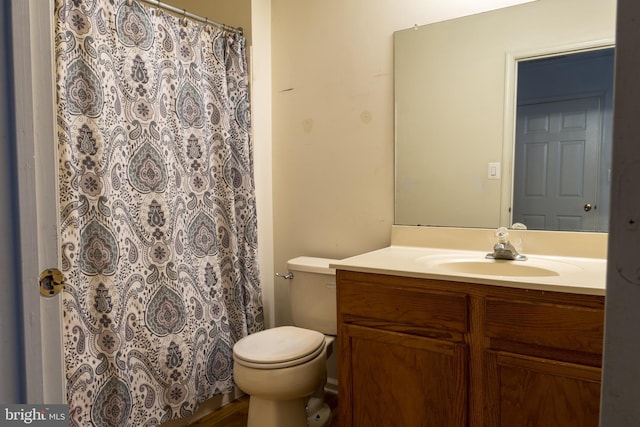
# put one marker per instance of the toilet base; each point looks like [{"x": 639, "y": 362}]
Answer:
[
  {"x": 321, "y": 418},
  {"x": 277, "y": 413}
]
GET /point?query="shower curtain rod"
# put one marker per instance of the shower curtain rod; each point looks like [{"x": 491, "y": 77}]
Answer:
[{"x": 184, "y": 13}]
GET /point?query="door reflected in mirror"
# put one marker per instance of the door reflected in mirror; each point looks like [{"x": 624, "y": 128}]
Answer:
[{"x": 563, "y": 139}]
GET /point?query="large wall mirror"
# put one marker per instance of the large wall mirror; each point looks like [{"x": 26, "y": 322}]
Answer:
[{"x": 467, "y": 89}]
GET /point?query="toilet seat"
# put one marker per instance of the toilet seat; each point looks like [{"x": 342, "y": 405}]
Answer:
[{"x": 280, "y": 347}]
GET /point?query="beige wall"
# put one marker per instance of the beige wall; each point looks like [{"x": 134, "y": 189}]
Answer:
[
  {"x": 333, "y": 124},
  {"x": 236, "y": 13}
]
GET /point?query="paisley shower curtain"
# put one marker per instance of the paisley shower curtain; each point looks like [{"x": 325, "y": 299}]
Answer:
[{"x": 157, "y": 210}]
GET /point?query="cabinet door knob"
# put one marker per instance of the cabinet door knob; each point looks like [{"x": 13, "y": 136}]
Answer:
[{"x": 587, "y": 207}]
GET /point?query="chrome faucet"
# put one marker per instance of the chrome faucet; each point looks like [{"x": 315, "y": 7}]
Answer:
[{"x": 503, "y": 249}]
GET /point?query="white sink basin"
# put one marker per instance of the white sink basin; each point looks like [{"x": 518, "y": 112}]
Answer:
[{"x": 479, "y": 266}]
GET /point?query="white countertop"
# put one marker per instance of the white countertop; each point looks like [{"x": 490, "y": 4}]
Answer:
[{"x": 575, "y": 275}]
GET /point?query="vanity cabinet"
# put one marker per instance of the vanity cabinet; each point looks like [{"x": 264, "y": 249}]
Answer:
[
  {"x": 403, "y": 357},
  {"x": 423, "y": 352},
  {"x": 543, "y": 359}
]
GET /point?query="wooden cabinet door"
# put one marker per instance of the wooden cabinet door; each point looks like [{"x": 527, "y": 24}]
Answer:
[
  {"x": 393, "y": 379},
  {"x": 527, "y": 391}
]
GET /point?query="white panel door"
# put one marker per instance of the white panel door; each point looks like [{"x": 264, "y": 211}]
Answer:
[{"x": 557, "y": 164}]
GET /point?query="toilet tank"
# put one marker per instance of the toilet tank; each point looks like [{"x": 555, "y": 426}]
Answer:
[{"x": 313, "y": 294}]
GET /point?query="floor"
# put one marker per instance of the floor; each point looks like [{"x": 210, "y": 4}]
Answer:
[{"x": 234, "y": 414}]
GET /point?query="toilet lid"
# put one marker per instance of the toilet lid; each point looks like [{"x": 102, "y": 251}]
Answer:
[{"x": 279, "y": 347}]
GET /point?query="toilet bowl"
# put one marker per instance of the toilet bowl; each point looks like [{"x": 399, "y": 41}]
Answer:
[
  {"x": 279, "y": 386},
  {"x": 281, "y": 368}
]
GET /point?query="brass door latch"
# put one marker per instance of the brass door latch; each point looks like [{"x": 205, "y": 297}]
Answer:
[{"x": 51, "y": 282}]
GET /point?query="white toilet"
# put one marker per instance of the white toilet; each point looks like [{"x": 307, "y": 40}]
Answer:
[{"x": 281, "y": 368}]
